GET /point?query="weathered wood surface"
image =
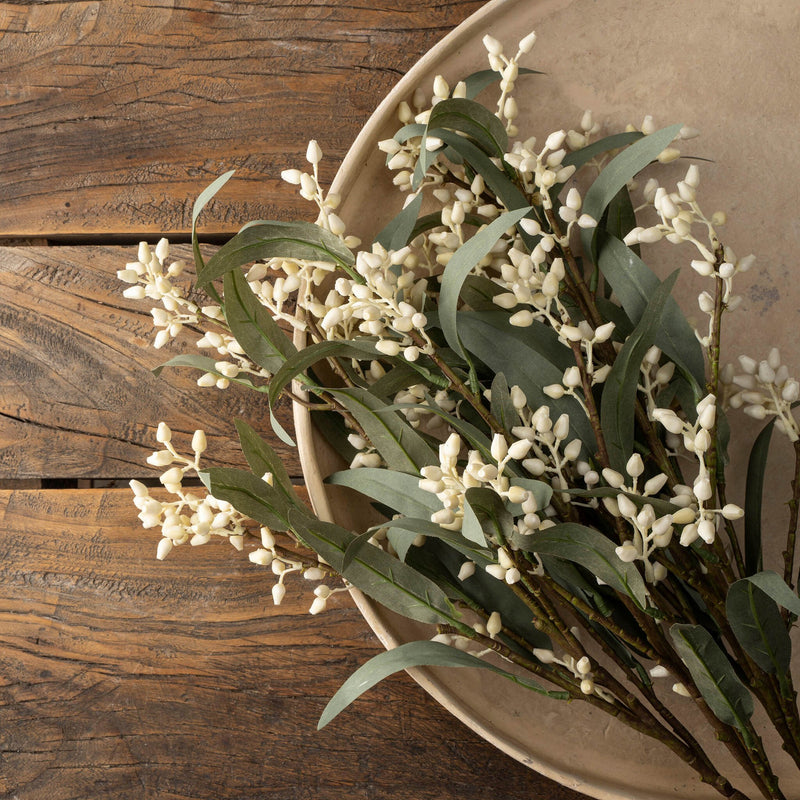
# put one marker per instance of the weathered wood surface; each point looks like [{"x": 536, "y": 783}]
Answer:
[
  {"x": 125, "y": 677},
  {"x": 77, "y": 396},
  {"x": 116, "y": 114}
]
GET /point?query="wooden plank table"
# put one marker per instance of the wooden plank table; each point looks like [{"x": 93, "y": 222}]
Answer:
[{"x": 122, "y": 676}]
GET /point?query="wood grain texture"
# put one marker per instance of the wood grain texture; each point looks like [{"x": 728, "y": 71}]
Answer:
[
  {"x": 77, "y": 397},
  {"x": 116, "y": 114},
  {"x": 124, "y": 677}
]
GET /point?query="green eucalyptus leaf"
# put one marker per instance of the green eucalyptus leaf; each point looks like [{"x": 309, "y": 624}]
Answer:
[
  {"x": 542, "y": 493},
  {"x": 301, "y": 360},
  {"x": 776, "y": 587},
  {"x": 622, "y": 168},
  {"x": 473, "y": 120},
  {"x": 397, "y": 490},
  {"x": 205, "y": 364},
  {"x": 634, "y": 283},
  {"x": 461, "y": 264},
  {"x": 261, "y": 459},
  {"x": 753, "y": 496},
  {"x": 199, "y": 204},
  {"x": 485, "y": 515},
  {"x": 592, "y": 550},
  {"x": 524, "y": 356},
  {"x": 406, "y": 656},
  {"x": 400, "y": 230},
  {"x": 581, "y": 157},
  {"x": 501, "y": 408},
  {"x": 725, "y": 694},
  {"x": 253, "y": 326},
  {"x": 400, "y": 446},
  {"x": 757, "y": 623},
  {"x": 249, "y": 495},
  {"x": 482, "y": 79},
  {"x": 410, "y": 528},
  {"x": 300, "y": 240},
  {"x": 618, "y": 402},
  {"x": 375, "y": 572}
]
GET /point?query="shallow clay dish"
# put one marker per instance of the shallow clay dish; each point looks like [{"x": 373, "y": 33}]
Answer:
[{"x": 728, "y": 69}]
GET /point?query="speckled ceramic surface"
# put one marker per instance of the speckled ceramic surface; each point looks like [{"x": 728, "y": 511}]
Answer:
[{"x": 729, "y": 69}]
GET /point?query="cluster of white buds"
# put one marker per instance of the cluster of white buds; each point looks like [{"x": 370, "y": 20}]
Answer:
[
  {"x": 151, "y": 277},
  {"x": 698, "y": 519},
  {"x": 311, "y": 190},
  {"x": 450, "y": 484},
  {"x": 552, "y": 450},
  {"x": 194, "y": 518},
  {"x": 508, "y": 70},
  {"x": 655, "y": 375},
  {"x": 581, "y": 669},
  {"x": 588, "y": 127},
  {"x": 650, "y": 531},
  {"x": 765, "y": 389}
]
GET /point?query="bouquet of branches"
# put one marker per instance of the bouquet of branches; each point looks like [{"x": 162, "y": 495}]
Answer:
[{"x": 540, "y": 430}]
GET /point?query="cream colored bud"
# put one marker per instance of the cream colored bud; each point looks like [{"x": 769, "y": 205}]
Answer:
[
  {"x": 494, "y": 624},
  {"x": 199, "y": 442}
]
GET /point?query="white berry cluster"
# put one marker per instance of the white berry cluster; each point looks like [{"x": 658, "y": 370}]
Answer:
[{"x": 765, "y": 389}]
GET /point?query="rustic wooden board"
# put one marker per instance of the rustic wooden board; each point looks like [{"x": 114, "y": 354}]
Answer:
[
  {"x": 77, "y": 398},
  {"x": 124, "y": 111},
  {"x": 123, "y": 677}
]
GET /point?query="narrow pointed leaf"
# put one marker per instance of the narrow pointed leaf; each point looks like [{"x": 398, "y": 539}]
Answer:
[
  {"x": 774, "y": 585},
  {"x": 758, "y": 625},
  {"x": 502, "y": 409},
  {"x": 617, "y": 407},
  {"x": 199, "y": 204},
  {"x": 487, "y": 515},
  {"x": 592, "y": 550},
  {"x": 301, "y": 360},
  {"x": 408, "y": 529},
  {"x": 253, "y": 326},
  {"x": 400, "y": 446},
  {"x": 753, "y": 496},
  {"x": 398, "y": 232},
  {"x": 473, "y": 120},
  {"x": 301, "y": 240},
  {"x": 633, "y": 283},
  {"x": 716, "y": 679},
  {"x": 617, "y": 173},
  {"x": 482, "y": 79},
  {"x": 406, "y": 656},
  {"x": 397, "y": 490},
  {"x": 375, "y": 572},
  {"x": 461, "y": 264}
]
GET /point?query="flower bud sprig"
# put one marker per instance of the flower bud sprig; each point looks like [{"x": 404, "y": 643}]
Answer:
[
  {"x": 508, "y": 70},
  {"x": 765, "y": 389}
]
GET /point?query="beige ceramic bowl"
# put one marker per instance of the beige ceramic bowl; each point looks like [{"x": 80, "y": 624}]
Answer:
[{"x": 729, "y": 69}]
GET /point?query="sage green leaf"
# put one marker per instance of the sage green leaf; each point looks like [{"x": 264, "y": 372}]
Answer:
[
  {"x": 501, "y": 408},
  {"x": 262, "y": 459},
  {"x": 414, "y": 654},
  {"x": 482, "y": 79},
  {"x": 400, "y": 446},
  {"x": 660, "y": 506},
  {"x": 199, "y": 204},
  {"x": 400, "y": 230},
  {"x": 477, "y": 293},
  {"x": 473, "y": 120},
  {"x": 714, "y": 676},
  {"x": 397, "y": 490},
  {"x": 592, "y": 550},
  {"x": 618, "y": 402},
  {"x": 301, "y": 240},
  {"x": 757, "y": 623},
  {"x": 206, "y": 364},
  {"x": 301, "y": 360},
  {"x": 410, "y": 528},
  {"x": 622, "y": 168},
  {"x": 524, "y": 356},
  {"x": 485, "y": 516},
  {"x": 776, "y": 587},
  {"x": 461, "y": 264},
  {"x": 253, "y": 326},
  {"x": 753, "y": 496},
  {"x": 581, "y": 157},
  {"x": 249, "y": 495},
  {"x": 633, "y": 283},
  {"x": 620, "y": 217},
  {"x": 377, "y": 574}
]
